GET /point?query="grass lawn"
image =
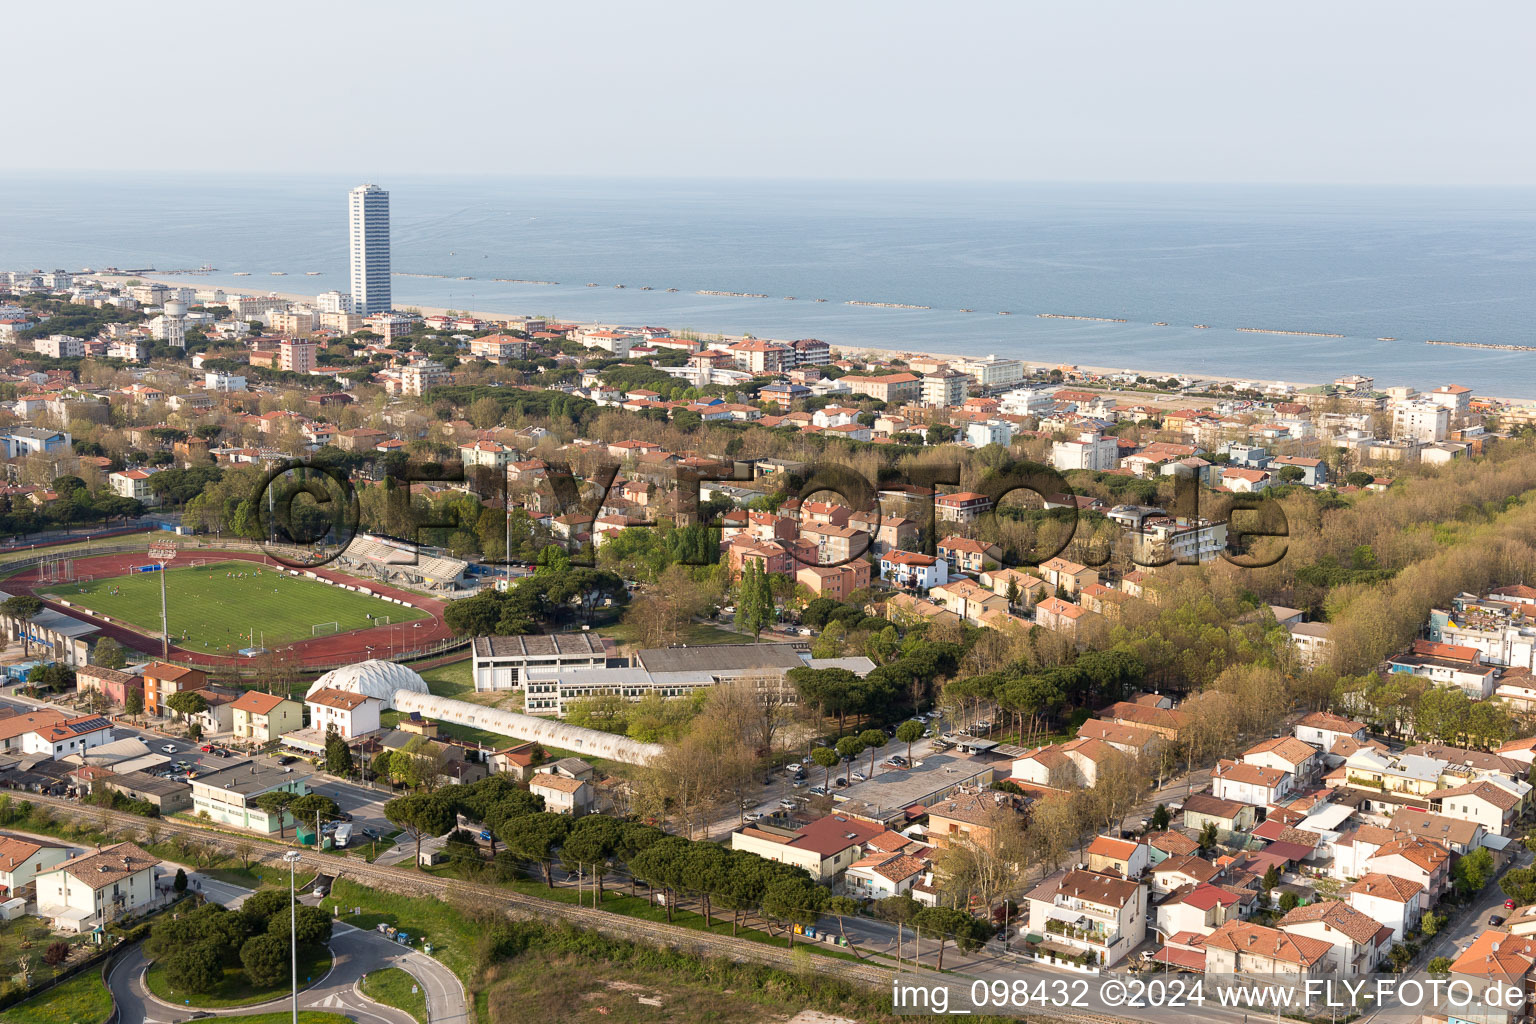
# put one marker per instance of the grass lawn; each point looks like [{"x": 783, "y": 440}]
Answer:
[
  {"x": 543, "y": 985},
  {"x": 235, "y": 990},
  {"x": 82, "y": 999},
  {"x": 454, "y": 680},
  {"x": 214, "y": 607},
  {"x": 452, "y": 935},
  {"x": 29, "y": 938},
  {"x": 392, "y": 987}
]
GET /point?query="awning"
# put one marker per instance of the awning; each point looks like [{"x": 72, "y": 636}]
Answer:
[{"x": 1187, "y": 959}]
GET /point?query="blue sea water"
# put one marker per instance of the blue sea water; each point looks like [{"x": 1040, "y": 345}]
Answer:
[{"x": 1409, "y": 264}]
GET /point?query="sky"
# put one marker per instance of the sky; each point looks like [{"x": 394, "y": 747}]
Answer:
[{"x": 1313, "y": 91}]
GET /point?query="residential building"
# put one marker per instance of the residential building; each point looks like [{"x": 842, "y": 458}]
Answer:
[
  {"x": 1067, "y": 576},
  {"x": 368, "y": 239},
  {"x": 1085, "y": 911},
  {"x": 1420, "y": 420},
  {"x": 21, "y": 441},
  {"x": 760, "y": 357},
  {"x": 21, "y": 858},
  {"x": 1249, "y": 783},
  {"x": 69, "y": 736},
  {"x": 943, "y": 388},
  {"x": 1238, "y": 947},
  {"x": 162, "y": 681},
  {"x": 1089, "y": 450},
  {"x": 825, "y": 848},
  {"x": 1323, "y": 730},
  {"x": 296, "y": 355},
  {"x": 229, "y": 796},
  {"x": 881, "y": 874},
  {"x": 334, "y": 302},
  {"x": 133, "y": 483},
  {"x": 499, "y": 348},
  {"x": 965, "y": 555},
  {"x": 486, "y": 454},
  {"x": 264, "y": 717},
  {"x": 1288, "y": 754},
  {"x": 562, "y": 794},
  {"x": 419, "y": 377},
  {"x": 912, "y": 570},
  {"x": 95, "y": 889},
  {"x": 1124, "y": 857},
  {"x": 1059, "y": 616},
  {"x": 892, "y": 389},
  {"x": 350, "y": 715},
  {"x": 1360, "y": 943},
  {"x": 992, "y": 372},
  {"x": 1396, "y": 902},
  {"x": 1202, "y": 809},
  {"x": 961, "y": 507},
  {"x": 110, "y": 683}
]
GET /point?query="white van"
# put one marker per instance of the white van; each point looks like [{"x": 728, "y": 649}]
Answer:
[{"x": 343, "y": 834}]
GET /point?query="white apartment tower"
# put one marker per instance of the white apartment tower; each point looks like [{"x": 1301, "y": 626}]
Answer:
[{"x": 368, "y": 236}]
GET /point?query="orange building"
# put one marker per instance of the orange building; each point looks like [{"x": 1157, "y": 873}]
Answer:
[{"x": 161, "y": 681}]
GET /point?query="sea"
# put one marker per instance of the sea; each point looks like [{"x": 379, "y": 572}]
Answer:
[{"x": 1360, "y": 278}]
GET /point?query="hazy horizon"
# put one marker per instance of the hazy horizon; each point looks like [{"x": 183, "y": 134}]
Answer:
[{"x": 1373, "y": 93}]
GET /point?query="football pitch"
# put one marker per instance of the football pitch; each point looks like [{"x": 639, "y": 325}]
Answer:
[{"x": 214, "y": 608}]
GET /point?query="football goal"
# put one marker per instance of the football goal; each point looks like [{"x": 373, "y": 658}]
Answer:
[{"x": 324, "y": 628}]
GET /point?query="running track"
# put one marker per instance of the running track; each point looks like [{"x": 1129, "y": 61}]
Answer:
[{"x": 326, "y": 650}]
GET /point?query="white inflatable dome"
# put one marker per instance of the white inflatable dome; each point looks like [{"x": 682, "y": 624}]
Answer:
[{"x": 371, "y": 679}]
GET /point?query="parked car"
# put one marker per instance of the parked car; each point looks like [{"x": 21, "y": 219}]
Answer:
[
  {"x": 858, "y": 777},
  {"x": 1509, "y": 904},
  {"x": 169, "y": 748},
  {"x": 206, "y": 748},
  {"x": 286, "y": 759},
  {"x": 1495, "y": 919},
  {"x": 752, "y": 816},
  {"x": 787, "y": 804},
  {"x": 818, "y": 791}
]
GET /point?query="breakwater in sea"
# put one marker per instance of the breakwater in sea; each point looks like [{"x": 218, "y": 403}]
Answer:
[
  {"x": 1294, "y": 334},
  {"x": 1484, "y": 344}
]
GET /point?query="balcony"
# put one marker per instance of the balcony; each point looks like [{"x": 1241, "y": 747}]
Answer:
[
  {"x": 1090, "y": 936},
  {"x": 1086, "y": 909}
]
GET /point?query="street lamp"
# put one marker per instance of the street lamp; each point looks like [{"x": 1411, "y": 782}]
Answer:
[{"x": 292, "y": 857}]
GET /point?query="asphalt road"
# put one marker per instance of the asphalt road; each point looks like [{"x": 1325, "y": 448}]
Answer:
[{"x": 355, "y": 952}]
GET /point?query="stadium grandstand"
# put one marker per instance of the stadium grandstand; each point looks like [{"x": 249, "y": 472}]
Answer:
[{"x": 392, "y": 561}]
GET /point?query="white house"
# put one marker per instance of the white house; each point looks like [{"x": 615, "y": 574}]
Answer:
[
  {"x": 562, "y": 794},
  {"x": 1249, "y": 783},
  {"x": 351, "y": 714},
  {"x": 21, "y": 859},
  {"x": 1094, "y": 913},
  {"x": 1323, "y": 730},
  {"x": 910, "y": 569},
  {"x": 1359, "y": 941},
  {"x": 71, "y": 736},
  {"x": 132, "y": 483},
  {"x": 1287, "y": 754},
  {"x": 1493, "y": 804},
  {"x": 880, "y": 875},
  {"x": 98, "y": 888},
  {"x": 1395, "y": 902}
]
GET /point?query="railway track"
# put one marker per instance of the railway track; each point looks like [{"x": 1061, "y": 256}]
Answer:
[{"x": 412, "y": 883}]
